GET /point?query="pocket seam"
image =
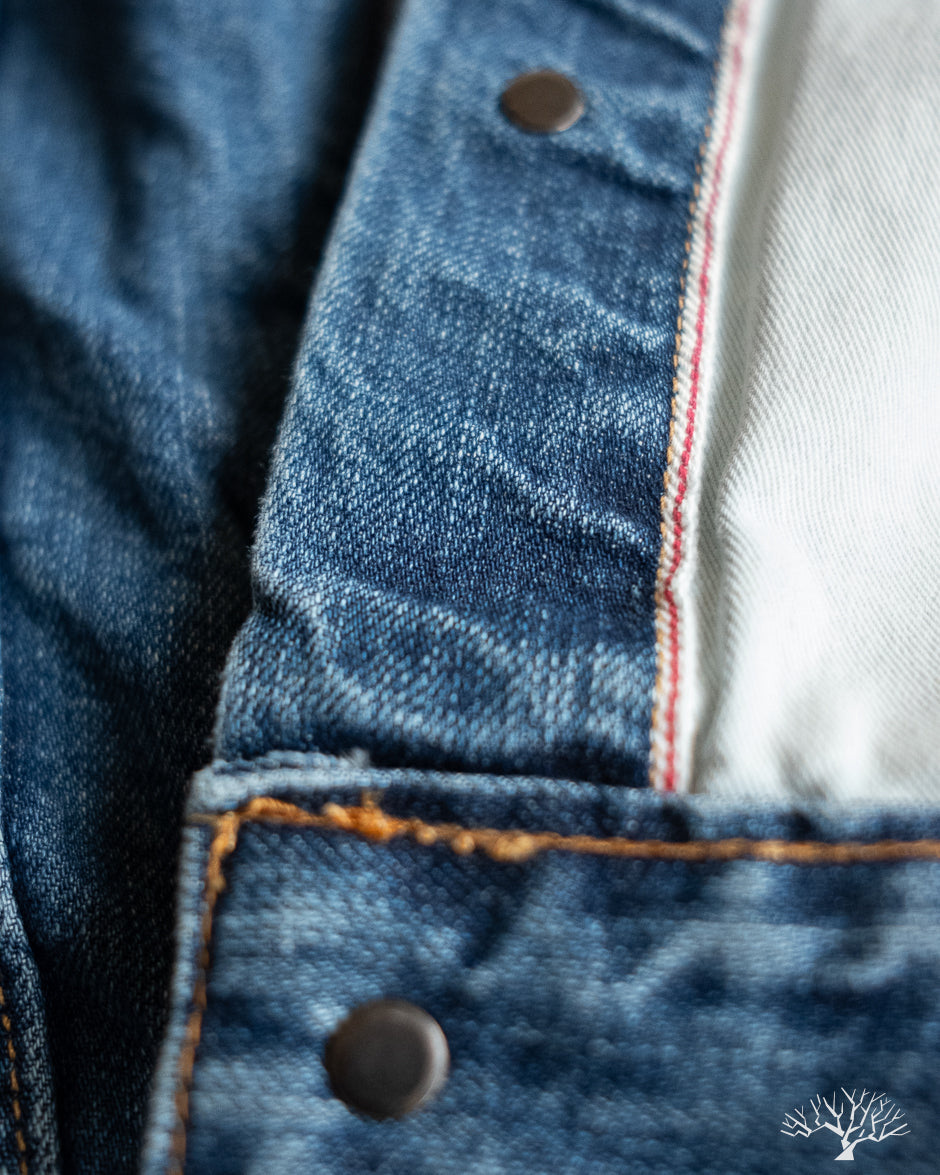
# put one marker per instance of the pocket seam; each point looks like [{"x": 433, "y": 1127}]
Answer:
[{"x": 368, "y": 821}]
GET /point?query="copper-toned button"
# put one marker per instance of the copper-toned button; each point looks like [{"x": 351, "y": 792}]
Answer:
[
  {"x": 542, "y": 101},
  {"x": 387, "y": 1058}
]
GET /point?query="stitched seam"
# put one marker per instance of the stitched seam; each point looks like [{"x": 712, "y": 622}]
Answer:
[
  {"x": 663, "y": 773},
  {"x": 662, "y": 595},
  {"x": 506, "y": 845},
  {"x": 14, "y": 1086},
  {"x": 223, "y": 845},
  {"x": 369, "y": 821}
]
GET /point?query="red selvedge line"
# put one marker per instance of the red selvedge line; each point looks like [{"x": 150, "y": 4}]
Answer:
[{"x": 669, "y": 780}]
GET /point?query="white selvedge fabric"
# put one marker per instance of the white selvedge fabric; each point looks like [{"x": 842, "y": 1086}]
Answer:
[
  {"x": 814, "y": 548},
  {"x": 740, "y": 88}
]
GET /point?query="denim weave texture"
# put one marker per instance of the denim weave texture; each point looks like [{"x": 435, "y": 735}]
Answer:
[
  {"x": 333, "y": 417},
  {"x": 457, "y": 552},
  {"x": 169, "y": 174},
  {"x": 603, "y": 1014}
]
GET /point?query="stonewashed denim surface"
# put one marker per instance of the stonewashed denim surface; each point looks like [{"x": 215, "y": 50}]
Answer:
[
  {"x": 629, "y": 982},
  {"x": 391, "y": 689}
]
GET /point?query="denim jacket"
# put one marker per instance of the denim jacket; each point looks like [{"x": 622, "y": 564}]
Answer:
[{"x": 347, "y": 461}]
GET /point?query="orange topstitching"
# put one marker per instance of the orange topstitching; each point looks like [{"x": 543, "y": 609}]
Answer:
[
  {"x": 14, "y": 1086},
  {"x": 368, "y": 821}
]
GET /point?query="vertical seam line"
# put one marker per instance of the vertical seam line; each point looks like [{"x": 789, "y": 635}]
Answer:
[
  {"x": 663, "y": 772},
  {"x": 14, "y": 1087},
  {"x": 222, "y": 846}
]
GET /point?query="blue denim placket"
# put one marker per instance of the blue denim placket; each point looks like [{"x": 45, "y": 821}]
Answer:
[
  {"x": 629, "y": 982},
  {"x": 456, "y": 559}
]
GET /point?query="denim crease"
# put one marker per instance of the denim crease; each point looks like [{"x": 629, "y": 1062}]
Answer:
[
  {"x": 457, "y": 549},
  {"x": 169, "y": 176},
  {"x": 334, "y": 416}
]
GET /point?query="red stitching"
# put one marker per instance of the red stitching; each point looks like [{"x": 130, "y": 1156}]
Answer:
[
  {"x": 22, "y": 1165},
  {"x": 669, "y": 780}
]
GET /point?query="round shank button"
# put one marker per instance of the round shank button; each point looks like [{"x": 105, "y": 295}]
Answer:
[
  {"x": 387, "y": 1058},
  {"x": 542, "y": 102}
]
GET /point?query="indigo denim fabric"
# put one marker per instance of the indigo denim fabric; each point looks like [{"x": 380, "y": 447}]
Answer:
[
  {"x": 228, "y": 220},
  {"x": 604, "y": 1014},
  {"x": 457, "y": 554},
  {"x": 169, "y": 173}
]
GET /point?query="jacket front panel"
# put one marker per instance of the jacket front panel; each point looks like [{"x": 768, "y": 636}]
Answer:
[{"x": 627, "y": 981}]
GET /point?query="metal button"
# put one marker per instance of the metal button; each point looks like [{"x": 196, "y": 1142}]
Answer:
[
  {"x": 387, "y": 1058},
  {"x": 542, "y": 101}
]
